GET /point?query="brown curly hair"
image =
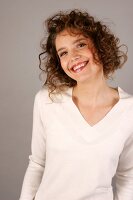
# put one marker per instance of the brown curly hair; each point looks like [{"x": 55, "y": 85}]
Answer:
[{"x": 105, "y": 42}]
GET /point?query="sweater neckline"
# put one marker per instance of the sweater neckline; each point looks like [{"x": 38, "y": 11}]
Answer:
[{"x": 104, "y": 119}]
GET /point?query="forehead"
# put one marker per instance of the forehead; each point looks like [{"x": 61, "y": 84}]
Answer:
[
  {"x": 68, "y": 36},
  {"x": 67, "y": 32}
]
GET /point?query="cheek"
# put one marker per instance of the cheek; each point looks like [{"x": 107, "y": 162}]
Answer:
[
  {"x": 90, "y": 53},
  {"x": 63, "y": 65}
]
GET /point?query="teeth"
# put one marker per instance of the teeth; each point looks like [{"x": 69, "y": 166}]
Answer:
[{"x": 79, "y": 66}]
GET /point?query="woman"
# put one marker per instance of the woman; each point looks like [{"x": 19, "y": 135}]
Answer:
[{"x": 82, "y": 140}]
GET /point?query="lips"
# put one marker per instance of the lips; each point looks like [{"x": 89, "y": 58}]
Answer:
[{"x": 79, "y": 66}]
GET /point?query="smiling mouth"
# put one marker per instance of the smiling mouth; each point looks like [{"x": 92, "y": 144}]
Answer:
[{"x": 79, "y": 67}]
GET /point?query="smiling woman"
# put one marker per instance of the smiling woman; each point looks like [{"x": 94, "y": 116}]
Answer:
[
  {"x": 77, "y": 56},
  {"x": 81, "y": 138},
  {"x": 106, "y": 47}
]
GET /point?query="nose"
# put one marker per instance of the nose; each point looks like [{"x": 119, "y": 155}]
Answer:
[{"x": 74, "y": 55}]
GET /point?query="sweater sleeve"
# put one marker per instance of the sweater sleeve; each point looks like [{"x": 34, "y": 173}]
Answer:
[
  {"x": 36, "y": 165},
  {"x": 124, "y": 174}
]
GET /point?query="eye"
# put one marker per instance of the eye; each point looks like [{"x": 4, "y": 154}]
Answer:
[
  {"x": 81, "y": 44},
  {"x": 63, "y": 53}
]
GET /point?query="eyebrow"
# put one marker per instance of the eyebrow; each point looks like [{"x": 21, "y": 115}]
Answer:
[{"x": 78, "y": 40}]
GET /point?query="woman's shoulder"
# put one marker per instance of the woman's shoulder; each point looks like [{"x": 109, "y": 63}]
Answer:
[
  {"x": 126, "y": 98},
  {"x": 44, "y": 95},
  {"x": 125, "y": 95}
]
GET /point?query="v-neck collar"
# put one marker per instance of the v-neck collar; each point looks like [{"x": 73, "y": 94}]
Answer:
[
  {"x": 104, "y": 119},
  {"x": 107, "y": 126}
]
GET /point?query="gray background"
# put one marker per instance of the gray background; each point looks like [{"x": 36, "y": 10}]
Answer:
[{"x": 21, "y": 28}]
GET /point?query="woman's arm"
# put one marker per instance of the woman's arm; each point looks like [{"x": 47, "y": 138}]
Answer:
[
  {"x": 124, "y": 174},
  {"x": 36, "y": 165}
]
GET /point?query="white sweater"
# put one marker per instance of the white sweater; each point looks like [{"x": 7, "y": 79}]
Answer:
[{"x": 72, "y": 160}]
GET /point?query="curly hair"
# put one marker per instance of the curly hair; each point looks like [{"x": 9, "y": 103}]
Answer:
[{"x": 105, "y": 42}]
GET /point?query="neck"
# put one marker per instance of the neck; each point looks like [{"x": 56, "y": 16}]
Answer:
[{"x": 97, "y": 92}]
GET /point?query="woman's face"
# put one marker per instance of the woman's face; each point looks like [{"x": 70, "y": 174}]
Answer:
[{"x": 76, "y": 52}]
